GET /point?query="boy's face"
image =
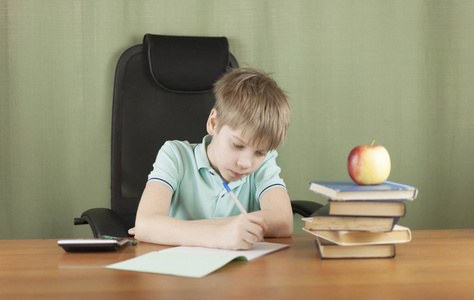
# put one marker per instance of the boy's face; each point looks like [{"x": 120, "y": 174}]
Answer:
[{"x": 230, "y": 154}]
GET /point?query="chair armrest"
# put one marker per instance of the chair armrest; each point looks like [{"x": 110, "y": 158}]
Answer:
[
  {"x": 103, "y": 221},
  {"x": 304, "y": 208}
]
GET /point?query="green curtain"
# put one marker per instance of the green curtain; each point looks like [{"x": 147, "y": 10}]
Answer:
[{"x": 401, "y": 72}]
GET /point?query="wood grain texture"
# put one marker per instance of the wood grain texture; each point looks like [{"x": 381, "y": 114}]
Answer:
[{"x": 437, "y": 264}]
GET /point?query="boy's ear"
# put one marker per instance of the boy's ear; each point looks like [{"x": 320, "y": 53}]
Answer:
[{"x": 212, "y": 122}]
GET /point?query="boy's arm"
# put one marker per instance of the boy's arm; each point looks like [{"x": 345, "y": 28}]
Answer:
[
  {"x": 155, "y": 226},
  {"x": 276, "y": 211}
]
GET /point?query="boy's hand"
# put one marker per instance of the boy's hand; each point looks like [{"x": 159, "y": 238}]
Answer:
[{"x": 242, "y": 232}]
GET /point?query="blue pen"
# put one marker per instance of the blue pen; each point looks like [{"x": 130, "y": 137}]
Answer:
[{"x": 232, "y": 195}]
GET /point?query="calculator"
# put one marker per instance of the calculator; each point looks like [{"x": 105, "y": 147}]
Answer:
[{"x": 92, "y": 245}]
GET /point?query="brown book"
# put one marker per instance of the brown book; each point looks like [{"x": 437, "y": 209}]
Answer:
[
  {"x": 330, "y": 250},
  {"x": 322, "y": 220},
  {"x": 386, "y": 208}
]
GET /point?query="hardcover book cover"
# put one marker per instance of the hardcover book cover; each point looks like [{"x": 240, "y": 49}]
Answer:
[
  {"x": 346, "y": 190},
  {"x": 376, "y": 208},
  {"x": 329, "y": 250}
]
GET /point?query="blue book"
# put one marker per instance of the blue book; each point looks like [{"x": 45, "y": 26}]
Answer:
[{"x": 347, "y": 190}]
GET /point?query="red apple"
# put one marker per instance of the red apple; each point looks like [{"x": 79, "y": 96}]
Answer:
[{"x": 369, "y": 164}]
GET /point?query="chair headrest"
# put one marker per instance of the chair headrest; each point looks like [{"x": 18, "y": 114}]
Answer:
[{"x": 186, "y": 64}]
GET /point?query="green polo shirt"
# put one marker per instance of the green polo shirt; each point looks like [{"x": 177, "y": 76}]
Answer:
[{"x": 198, "y": 192}]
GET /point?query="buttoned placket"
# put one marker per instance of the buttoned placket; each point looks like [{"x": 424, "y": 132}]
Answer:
[{"x": 223, "y": 195}]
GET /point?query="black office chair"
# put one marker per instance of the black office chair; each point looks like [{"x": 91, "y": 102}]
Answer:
[{"x": 162, "y": 91}]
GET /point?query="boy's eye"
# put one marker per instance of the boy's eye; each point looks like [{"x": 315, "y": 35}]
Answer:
[
  {"x": 260, "y": 153},
  {"x": 238, "y": 146}
]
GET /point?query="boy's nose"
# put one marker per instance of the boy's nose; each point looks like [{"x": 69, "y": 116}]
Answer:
[{"x": 244, "y": 162}]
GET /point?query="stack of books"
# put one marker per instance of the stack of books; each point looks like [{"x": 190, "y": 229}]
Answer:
[{"x": 360, "y": 221}]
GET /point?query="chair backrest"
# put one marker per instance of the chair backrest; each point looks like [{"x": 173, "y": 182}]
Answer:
[{"x": 162, "y": 91}]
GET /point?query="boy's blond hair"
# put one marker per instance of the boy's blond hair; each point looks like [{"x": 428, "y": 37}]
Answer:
[{"x": 249, "y": 99}]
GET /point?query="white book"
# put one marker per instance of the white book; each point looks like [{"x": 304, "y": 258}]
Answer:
[{"x": 399, "y": 234}]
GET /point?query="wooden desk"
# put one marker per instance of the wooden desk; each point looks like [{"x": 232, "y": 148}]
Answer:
[{"x": 437, "y": 264}]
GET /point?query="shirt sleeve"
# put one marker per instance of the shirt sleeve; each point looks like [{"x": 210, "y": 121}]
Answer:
[
  {"x": 168, "y": 166},
  {"x": 268, "y": 175}
]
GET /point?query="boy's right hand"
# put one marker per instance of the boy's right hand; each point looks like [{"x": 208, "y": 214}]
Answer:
[{"x": 242, "y": 232}]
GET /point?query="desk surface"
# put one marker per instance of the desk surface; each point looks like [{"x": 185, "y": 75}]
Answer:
[{"x": 436, "y": 264}]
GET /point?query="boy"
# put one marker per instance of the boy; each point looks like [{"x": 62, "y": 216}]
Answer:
[{"x": 185, "y": 203}]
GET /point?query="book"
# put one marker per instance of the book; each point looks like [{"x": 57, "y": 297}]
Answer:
[
  {"x": 321, "y": 220},
  {"x": 327, "y": 249},
  {"x": 399, "y": 234},
  {"x": 194, "y": 262},
  {"x": 374, "y": 208},
  {"x": 371, "y": 224},
  {"x": 349, "y": 190}
]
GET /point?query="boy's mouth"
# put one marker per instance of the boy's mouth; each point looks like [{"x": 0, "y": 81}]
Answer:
[{"x": 237, "y": 175}]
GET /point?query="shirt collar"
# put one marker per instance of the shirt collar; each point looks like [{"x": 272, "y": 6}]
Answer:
[
  {"x": 200, "y": 153},
  {"x": 203, "y": 162}
]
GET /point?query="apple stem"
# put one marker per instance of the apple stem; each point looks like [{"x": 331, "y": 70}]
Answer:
[{"x": 373, "y": 141}]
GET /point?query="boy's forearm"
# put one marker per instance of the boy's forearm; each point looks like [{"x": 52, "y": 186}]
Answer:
[
  {"x": 174, "y": 232},
  {"x": 278, "y": 226},
  {"x": 276, "y": 210}
]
